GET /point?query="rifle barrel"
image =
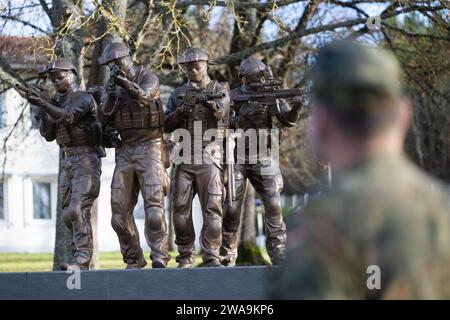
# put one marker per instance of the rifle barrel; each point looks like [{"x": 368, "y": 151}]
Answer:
[
  {"x": 270, "y": 95},
  {"x": 214, "y": 96}
]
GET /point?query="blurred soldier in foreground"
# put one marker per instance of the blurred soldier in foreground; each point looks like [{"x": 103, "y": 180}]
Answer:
[
  {"x": 383, "y": 230},
  {"x": 197, "y": 106},
  {"x": 133, "y": 108},
  {"x": 71, "y": 118},
  {"x": 253, "y": 111}
]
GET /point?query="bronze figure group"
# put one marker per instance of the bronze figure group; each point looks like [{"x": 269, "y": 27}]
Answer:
[{"x": 127, "y": 114}]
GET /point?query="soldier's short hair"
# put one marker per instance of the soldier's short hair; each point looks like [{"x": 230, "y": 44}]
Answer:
[{"x": 358, "y": 84}]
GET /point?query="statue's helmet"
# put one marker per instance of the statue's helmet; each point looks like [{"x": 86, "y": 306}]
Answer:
[
  {"x": 59, "y": 64},
  {"x": 113, "y": 51},
  {"x": 252, "y": 67},
  {"x": 193, "y": 55}
]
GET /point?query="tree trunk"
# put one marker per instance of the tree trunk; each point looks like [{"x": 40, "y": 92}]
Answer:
[
  {"x": 244, "y": 36},
  {"x": 170, "y": 213},
  {"x": 248, "y": 251},
  {"x": 248, "y": 230},
  {"x": 95, "y": 261},
  {"x": 99, "y": 74},
  {"x": 63, "y": 236}
]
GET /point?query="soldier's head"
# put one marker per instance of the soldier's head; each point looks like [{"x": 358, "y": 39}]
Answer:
[
  {"x": 357, "y": 99},
  {"x": 117, "y": 56},
  {"x": 253, "y": 70},
  {"x": 194, "y": 62},
  {"x": 62, "y": 73}
]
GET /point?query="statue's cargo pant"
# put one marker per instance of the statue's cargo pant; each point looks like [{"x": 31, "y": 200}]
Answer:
[
  {"x": 268, "y": 185},
  {"x": 139, "y": 167},
  {"x": 79, "y": 187},
  {"x": 206, "y": 180}
]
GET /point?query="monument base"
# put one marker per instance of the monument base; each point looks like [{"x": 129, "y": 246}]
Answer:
[{"x": 236, "y": 283}]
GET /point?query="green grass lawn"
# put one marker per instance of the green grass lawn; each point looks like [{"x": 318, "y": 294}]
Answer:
[{"x": 24, "y": 262}]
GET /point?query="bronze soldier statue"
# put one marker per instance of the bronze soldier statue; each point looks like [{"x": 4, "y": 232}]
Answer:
[
  {"x": 251, "y": 113},
  {"x": 132, "y": 106},
  {"x": 204, "y": 103},
  {"x": 382, "y": 230},
  {"x": 71, "y": 118}
]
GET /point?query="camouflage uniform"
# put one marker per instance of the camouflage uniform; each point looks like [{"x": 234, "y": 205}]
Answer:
[
  {"x": 139, "y": 166},
  {"x": 204, "y": 179},
  {"x": 381, "y": 210},
  {"x": 264, "y": 175}
]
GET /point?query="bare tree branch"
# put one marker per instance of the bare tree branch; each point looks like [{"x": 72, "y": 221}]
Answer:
[
  {"x": 26, "y": 23},
  {"x": 415, "y": 35},
  {"x": 46, "y": 9},
  {"x": 237, "y": 4},
  {"x": 141, "y": 29},
  {"x": 330, "y": 27}
]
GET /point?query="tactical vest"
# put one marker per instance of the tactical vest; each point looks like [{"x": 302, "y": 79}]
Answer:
[
  {"x": 86, "y": 131},
  {"x": 206, "y": 116},
  {"x": 63, "y": 135},
  {"x": 134, "y": 114},
  {"x": 257, "y": 121}
]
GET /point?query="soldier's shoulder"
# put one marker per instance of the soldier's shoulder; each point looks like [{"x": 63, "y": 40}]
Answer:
[{"x": 83, "y": 95}]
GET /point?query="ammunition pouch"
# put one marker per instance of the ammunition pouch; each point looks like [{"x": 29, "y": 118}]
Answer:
[
  {"x": 63, "y": 135},
  {"x": 132, "y": 115}
]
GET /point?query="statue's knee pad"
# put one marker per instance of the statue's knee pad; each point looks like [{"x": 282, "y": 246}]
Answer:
[
  {"x": 154, "y": 218},
  {"x": 117, "y": 221},
  {"x": 71, "y": 213},
  {"x": 213, "y": 227},
  {"x": 273, "y": 206},
  {"x": 214, "y": 205}
]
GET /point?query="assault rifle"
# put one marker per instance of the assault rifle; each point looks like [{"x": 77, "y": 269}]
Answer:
[
  {"x": 268, "y": 94},
  {"x": 32, "y": 90}
]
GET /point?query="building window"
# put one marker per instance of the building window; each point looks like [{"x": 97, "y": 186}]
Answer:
[
  {"x": 41, "y": 200},
  {"x": 2, "y": 201}
]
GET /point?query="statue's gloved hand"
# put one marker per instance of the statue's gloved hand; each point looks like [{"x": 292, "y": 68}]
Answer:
[
  {"x": 257, "y": 109},
  {"x": 111, "y": 138},
  {"x": 298, "y": 102},
  {"x": 235, "y": 122},
  {"x": 44, "y": 94},
  {"x": 185, "y": 109},
  {"x": 37, "y": 100},
  {"x": 116, "y": 143},
  {"x": 208, "y": 103}
]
